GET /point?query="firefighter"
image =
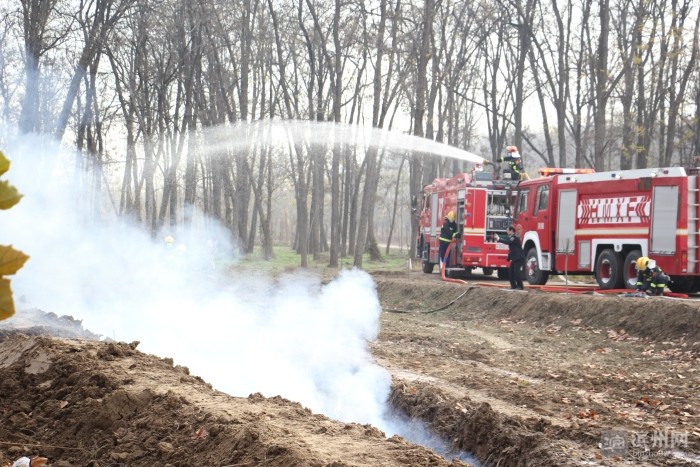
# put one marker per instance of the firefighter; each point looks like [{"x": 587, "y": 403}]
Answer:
[
  {"x": 650, "y": 278},
  {"x": 516, "y": 256},
  {"x": 515, "y": 163},
  {"x": 447, "y": 234}
]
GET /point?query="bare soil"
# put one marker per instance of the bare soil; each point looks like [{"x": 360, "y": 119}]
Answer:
[{"x": 516, "y": 378}]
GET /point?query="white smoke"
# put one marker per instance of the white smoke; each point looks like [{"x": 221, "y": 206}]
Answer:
[
  {"x": 243, "y": 333},
  {"x": 293, "y": 336}
]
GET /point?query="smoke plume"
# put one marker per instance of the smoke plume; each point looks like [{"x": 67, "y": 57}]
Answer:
[{"x": 292, "y": 336}]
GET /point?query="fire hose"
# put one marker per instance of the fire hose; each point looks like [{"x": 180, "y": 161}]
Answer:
[
  {"x": 444, "y": 266},
  {"x": 396, "y": 310}
]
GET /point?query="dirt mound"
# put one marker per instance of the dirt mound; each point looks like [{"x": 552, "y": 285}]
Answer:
[
  {"x": 93, "y": 403},
  {"x": 655, "y": 318}
]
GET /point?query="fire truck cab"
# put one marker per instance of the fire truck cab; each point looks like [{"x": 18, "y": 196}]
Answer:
[
  {"x": 483, "y": 209},
  {"x": 600, "y": 223}
]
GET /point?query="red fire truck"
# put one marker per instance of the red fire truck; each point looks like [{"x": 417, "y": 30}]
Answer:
[
  {"x": 599, "y": 223},
  {"x": 482, "y": 207}
]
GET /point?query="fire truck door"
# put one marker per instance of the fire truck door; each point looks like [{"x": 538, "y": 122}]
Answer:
[
  {"x": 566, "y": 224},
  {"x": 664, "y": 214},
  {"x": 541, "y": 217},
  {"x": 461, "y": 194}
]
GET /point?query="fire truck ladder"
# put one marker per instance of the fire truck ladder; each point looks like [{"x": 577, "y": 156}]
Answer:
[{"x": 693, "y": 223}]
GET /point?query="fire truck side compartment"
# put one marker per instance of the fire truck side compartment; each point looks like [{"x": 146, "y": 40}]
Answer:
[{"x": 664, "y": 214}]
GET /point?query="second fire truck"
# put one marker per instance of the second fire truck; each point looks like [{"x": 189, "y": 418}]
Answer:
[
  {"x": 600, "y": 223},
  {"x": 482, "y": 207}
]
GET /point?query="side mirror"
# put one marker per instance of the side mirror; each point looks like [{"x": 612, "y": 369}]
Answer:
[{"x": 414, "y": 203}]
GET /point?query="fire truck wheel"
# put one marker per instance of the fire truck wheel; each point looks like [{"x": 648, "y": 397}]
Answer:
[
  {"x": 428, "y": 267},
  {"x": 629, "y": 270},
  {"x": 608, "y": 270},
  {"x": 533, "y": 273},
  {"x": 487, "y": 271}
]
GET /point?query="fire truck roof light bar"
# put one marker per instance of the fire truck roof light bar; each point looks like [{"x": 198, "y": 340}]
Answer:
[
  {"x": 546, "y": 171},
  {"x": 632, "y": 174}
]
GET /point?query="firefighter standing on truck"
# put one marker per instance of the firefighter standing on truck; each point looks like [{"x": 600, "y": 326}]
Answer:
[
  {"x": 516, "y": 169},
  {"x": 516, "y": 256},
  {"x": 447, "y": 234},
  {"x": 650, "y": 278}
]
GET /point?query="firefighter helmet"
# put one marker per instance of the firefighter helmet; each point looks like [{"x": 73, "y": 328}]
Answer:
[
  {"x": 169, "y": 240},
  {"x": 642, "y": 263},
  {"x": 450, "y": 216}
]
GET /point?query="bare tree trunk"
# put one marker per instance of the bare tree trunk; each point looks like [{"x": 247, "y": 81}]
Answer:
[
  {"x": 549, "y": 159},
  {"x": 335, "y": 163},
  {"x": 563, "y": 81},
  {"x": 524, "y": 27},
  {"x": 101, "y": 22},
  {"x": 240, "y": 197},
  {"x": 316, "y": 219},
  {"x": 191, "y": 117},
  {"x": 630, "y": 52},
  {"x": 366, "y": 206},
  {"x": 355, "y": 207},
  {"x": 695, "y": 148},
  {"x": 416, "y": 165},
  {"x": 579, "y": 97},
  {"x": 302, "y": 208},
  {"x": 37, "y": 40},
  {"x": 372, "y": 246},
  {"x": 395, "y": 208},
  {"x": 677, "y": 95},
  {"x": 349, "y": 204},
  {"x": 600, "y": 74},
  {"x": 190, "y": 53}
]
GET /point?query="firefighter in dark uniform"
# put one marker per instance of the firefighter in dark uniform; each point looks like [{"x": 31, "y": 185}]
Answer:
[
  {"x": 516, "y": 256},
  {"x": 447, "y": 233},
  {"x": 516, "y": 169},
  {"x": 650, "y": 278}
]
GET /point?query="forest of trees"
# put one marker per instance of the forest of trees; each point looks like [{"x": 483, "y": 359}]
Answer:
[{"x": 134, "y": 85}]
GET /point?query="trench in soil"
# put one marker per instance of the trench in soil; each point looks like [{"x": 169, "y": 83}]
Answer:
[
  {"x": 473, "y": 433},
  {"x": 419, "y": 431}
]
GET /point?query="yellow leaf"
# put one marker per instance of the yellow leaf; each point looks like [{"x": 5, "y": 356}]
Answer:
[
  {"x": 11, "y": 260},
  {"x": 7, "y": 306},
  {"x": 4, "y": 163},
  {"x": 9, "y": 196}
]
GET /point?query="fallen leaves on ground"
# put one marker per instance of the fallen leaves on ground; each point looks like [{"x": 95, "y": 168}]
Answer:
[
  {"x": 201, "y": 433},
  {"x": 589, "y": 413}
]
